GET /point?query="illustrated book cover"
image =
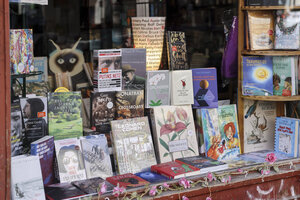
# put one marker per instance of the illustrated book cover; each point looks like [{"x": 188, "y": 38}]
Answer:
[
  {"x": 182, "y": 87},
  {"x": 16, "y": 129},
  {"x": 152, "y": 177},
  {"x": 134, "y": 68},
  {"x": 174, "y": 132},
  {"x": 129, "y": 104},
  {"x": 44, "y": 148},
  {"x": 133, "y": 146},
  {"x": 257, "y": 76},
  {"x": 96, "y": 156},
  {"x": 64, "y": 110},
  {"x": 69, "y": 159},
  {"x": 107, "y": 81},
  {"x": 40, "y": 65},
  {"x": 128, "y": 181},
  {"x": 63, "y": 191},
  {"x": 157, "y": 88},
  {"x": 205, "y": 88},
  {"x": 199, "y": 130},
  {"x": 91, "y": 186},
  {"x": 259, "y": 125}
]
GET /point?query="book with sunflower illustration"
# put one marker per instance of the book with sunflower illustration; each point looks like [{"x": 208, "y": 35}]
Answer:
[{"x": 174, "y": 132}]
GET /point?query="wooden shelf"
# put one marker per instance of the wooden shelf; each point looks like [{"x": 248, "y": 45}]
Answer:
[
  {"x": 270, "y": 7},
  {"x": 271, "y": 53},
  {"x": 273, "y": 98}
]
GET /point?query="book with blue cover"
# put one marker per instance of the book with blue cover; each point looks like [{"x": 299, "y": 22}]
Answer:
[
  {"x": 152, "y": 177},
  {"x": 205, "y": 88},
  {"x": 257, "y": 76}
]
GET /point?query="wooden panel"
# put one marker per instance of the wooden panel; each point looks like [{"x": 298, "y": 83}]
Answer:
[
  {"x": 270, "y": 7},
  {"x": 273, "y": 98},
  {"x": 271, "y": 53}
]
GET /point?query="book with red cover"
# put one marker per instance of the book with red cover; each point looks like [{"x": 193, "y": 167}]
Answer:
[
  {"x": 128, "y": 180},
  {"x": 174, "y": 170}
]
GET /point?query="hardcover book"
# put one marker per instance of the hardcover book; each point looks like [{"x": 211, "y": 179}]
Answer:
[
  {"x": 152, "y": 177},
  {"x": 63, "y": 191},
  {"x": 91, "y": 186},
  {"x": 130, "y": 104},
  {"x": 257, "y": 76},
  {"x": 177, "y": 53},
  {"x": 182, "y": 87},
  {"x": 157, "y": 88},
  {"x": 133, "y": 146},
  {"x": 134, "y": 68},
  {"x": 128, "y": 181},
  {"x": 65, "y": 115},
  {"x": 174, "y": 170},
  {"x": 16, "y": 132},
  {"x": 259, "y": 125},
  {"x": 21, "y": 51},
  {"x": 174, "y": 132},
  {"x": 44, "y": 148},
  {"x": 205, "y": 88},
  {"x": 96, "y": 156},
  {"x": 69, "y": 159},
  {"x": 26, "y": 184},
  {"x": 103, "y": 110},
  {"x": 261, "y": 29}
]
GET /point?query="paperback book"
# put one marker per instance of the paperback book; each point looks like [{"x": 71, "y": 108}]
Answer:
[
  {"x": 63, "y": 191},
  {"x": 152, "y": 177},
  {"x": 91, "y": 186},
  {"x": 128, "y": 181},
  {"x": 199, "y": 131},
  {"x": 40, "y": 65},
  {"x": 16, "y": 129},
  {"x": 182, "y": 87}
]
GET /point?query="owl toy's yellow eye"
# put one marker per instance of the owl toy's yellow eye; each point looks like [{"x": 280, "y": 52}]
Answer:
[
  {"x": 72, "y": 60},
  {"x": 60, "y": 61}
]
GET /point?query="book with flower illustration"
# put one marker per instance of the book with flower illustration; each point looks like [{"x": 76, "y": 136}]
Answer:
[
  {"x": 174, "y": 169},
  {"x": 133, "y": 145},
  {"x": 157, "y": 88},
  {"x": 127, "y": 181},
  {"x": 129, "y": 104},
  {"x": 91, "y": 186},
  {"x": 174, "y": 132}
]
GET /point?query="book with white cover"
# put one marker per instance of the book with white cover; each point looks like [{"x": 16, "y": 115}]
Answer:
[{"x": 182, "y": 92}]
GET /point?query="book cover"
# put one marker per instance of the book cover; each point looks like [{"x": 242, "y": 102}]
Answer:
[
  {"x": 261, "y": 29},
  {"x": 16, "y": 129},
  {"x": 107, "y": 81},
  {"x": 205, "y": 88},
  {"x": 29, "y": 184},
  {"x": 157, "y": 88},
  {"x": 133, "y": 146},
  {"x": 35, "y": 118},
  {"x": 44, "y": 148},
  {"x": 134, "y": 68},
  {"x": 64, "y": 110},
  {"x": 259, "y": 125},
  {"x": 61, "y": 191},
  {"x": 40, "y": 65},
  {"x": 152, "y": 177},
  {"x": 257, "y": 76},
  {"x": 92, "y": 185},
  {"x": 174, "y": 132},
  {"x": 21, "y": 51},
  {"x": 199, "y": 130},
  {"x": 128, "y": 181},
  {"x": 177, "y": 53},
  {"x": 182, "y": 87},
  {"x": 174, "y": 170},
  {"x": 284, "y": 75},
  {"x": 69, "y": 159},
  {"x": 287, "y": 136},
  {"x": 96, "y": 156},
  {"x": 287, "y": 32},
  {"x": 103, "y": 110},
  {"x": 129, "y": 104}
]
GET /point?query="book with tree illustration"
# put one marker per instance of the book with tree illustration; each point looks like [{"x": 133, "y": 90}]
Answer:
[
  {"x": 174, "y": 132},
  {"x": 65, "y": 115}
]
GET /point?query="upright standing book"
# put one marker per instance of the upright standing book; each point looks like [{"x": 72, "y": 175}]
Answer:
[
  {"x": 16, "y": 129},
  {"x": 182, "y": 87}
]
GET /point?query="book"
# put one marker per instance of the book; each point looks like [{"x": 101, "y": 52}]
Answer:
[
  {"x": 257, "y": 76},
  {"x": 41, "y": 2},
  {"x": 133, "y": 146},
  {"x": 103, "y": 110},
  {"x": 177, "y": 52},
  {"x": 287, "y": 136},
  {"x": 96, "y": 156},
  {"x": 157, "y": 88},
  {"x": 107, "y": 81},
  {"x": 133, "y": 68},
  {"x": 205, "y": 88},
  {"x": 69, "y": 159},
  {"x": 175, "y": 170},
  {"x": 128, "y": 181},
  {"x": 64, "y": 110},
  {"x": 182, "y": 87},
  {"x": 16, "y": 129},
  {"x": 91, "y": 186},
  {"x": 152, "y": 177},
  {"x": 129, "y": 104},
  {"x": 261, "y": 29},
  {"x": 40, "y": 65},
  {"x": 199, "y": 130},
  {"x": 29, "y": 184},
  {"x": 267, "y": 3},
  {"x": 284, "y": 82},
  {"x": 21, "y": 51},
  {"x": 287, "y": 31},
  {"x": 174, "y": 132},
  {"x": 259, "y": 125},
  {"x": 44, "y": 148},
  {"x": 86, "y": 112},
  {"x": 35, "y": 118},
  {"x": 205, "y": 164},
  {"x": 63, "y": 191}
]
